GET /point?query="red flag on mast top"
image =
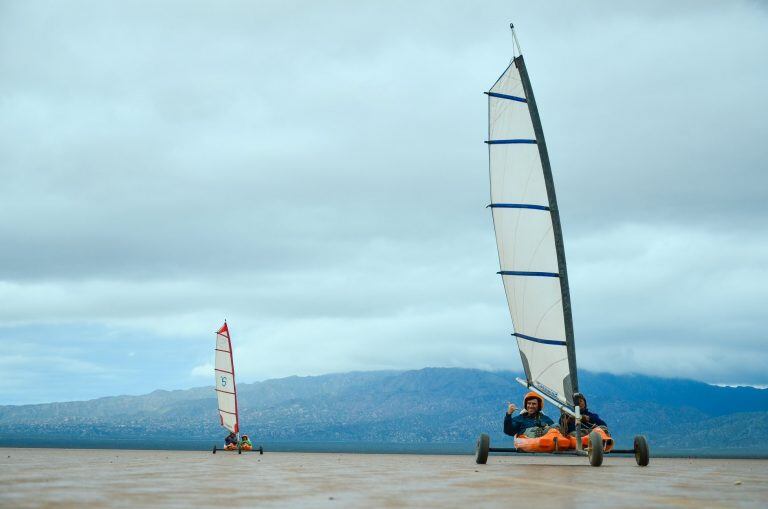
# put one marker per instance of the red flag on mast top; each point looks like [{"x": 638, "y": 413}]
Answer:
[{"x": 224, "y": 330}]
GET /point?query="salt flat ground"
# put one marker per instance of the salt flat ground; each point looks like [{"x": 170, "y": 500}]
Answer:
[{"x": 118, "y": 478}]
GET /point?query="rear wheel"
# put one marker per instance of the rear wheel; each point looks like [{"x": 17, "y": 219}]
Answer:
[
  {"x": 595, "y": 449},
  {"x": 214, "y": 449},
  {"x": 481, "y": 450},
  {"x": 642, "y": 454}
]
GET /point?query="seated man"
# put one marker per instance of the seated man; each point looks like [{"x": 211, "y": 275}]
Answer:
[
  {"x": 231, "y": 440},
  {"x": 588, "y": 419},
  {"x": 246, "y": 442},
  {"x": 532, "y": 422}
]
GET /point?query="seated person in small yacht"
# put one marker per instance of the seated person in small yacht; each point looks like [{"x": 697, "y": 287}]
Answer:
[
  {"x": 588, "y": 419},
  {"x": 231, "y": 440},
  {"x": 531, "y": 422}
]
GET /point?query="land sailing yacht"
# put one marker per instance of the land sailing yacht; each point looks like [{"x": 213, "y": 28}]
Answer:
[
  {"x": 529, "y": 239},
  {"x": 226, "y": 391}
]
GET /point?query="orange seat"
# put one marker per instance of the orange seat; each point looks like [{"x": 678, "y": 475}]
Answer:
[
  {"x": 551, "y": 441},
  {"x": 607, "y": 440}
]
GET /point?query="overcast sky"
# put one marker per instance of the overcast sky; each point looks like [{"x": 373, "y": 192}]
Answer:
[{"x": 315, "y": 173}]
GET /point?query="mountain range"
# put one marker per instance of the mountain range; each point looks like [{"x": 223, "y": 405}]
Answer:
[{"x": 426, "y": 406}]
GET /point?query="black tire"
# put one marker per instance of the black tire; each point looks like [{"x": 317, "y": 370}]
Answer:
[
  {"x": 214, "y": 449},
  {"x": 261, "y": 451},
  {"x": 595, "y": 449},
  {"x": 481, "y": 450},
  {"x": 642, "y": 453}
]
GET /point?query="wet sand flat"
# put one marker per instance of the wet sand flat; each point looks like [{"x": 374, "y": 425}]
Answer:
[{"x": 65, "y": 478}]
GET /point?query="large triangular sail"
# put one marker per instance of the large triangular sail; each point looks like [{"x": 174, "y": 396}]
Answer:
[
  {"x": 528, "y": 236},
  {"x": 226, "y": 391}
]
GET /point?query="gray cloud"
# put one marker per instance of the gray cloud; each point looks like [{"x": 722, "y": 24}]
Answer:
[{"x": 316, "y": 173}]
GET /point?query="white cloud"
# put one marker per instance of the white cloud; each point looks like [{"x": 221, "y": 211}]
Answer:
[{"x": 203, "y": 370}]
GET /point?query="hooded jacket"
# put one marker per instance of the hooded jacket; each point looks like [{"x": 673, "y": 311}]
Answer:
[
  {"x": 516, "y": 425},
  {"x": 593, "y": 419}
]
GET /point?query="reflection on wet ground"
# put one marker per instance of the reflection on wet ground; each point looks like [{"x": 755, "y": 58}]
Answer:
[{"x": 110, "y": 478}]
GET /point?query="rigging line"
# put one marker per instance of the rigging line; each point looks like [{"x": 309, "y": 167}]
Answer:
[
  {"x": 514, "y": 53},
  {"x": 544, "y": 236},
  {"x": 515, "y": 42},
  {"x": 549, "y": 310},
  {"x": 541, "y": 373},
  {"x": 554, "y": 304},
  {"x": 514, "y": 238}
]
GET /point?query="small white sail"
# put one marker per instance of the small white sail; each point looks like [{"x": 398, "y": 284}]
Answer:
[
  {"x": 226, "y": 391},
  {"x": 528, "y": 236}
]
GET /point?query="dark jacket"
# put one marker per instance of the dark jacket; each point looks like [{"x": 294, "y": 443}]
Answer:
[
  {"x": 594, "y": 420},
  {"x": 230, "y": 440},
  {"x": 519, "y": 423}
]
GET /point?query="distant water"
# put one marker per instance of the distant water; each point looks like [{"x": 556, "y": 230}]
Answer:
[
  {"x": 199, "y": 445},
  {"x": 332, "y": 447}
]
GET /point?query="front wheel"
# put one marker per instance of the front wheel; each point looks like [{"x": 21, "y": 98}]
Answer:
[
  {"x": 642, "y": 454},
  {"x": 595, "y": 449},
  {"x": 481, "y": 450}
]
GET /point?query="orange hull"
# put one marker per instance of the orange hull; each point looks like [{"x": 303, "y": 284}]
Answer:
[
  {"x": 551, "y": 441},
  {"x": 607, "y": 440},
  {"x": 234, "y": 448}
]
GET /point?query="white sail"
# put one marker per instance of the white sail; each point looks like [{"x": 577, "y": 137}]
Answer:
[
  {"x": 226, "y": 391},
  {"x": 528, "y": 236}
]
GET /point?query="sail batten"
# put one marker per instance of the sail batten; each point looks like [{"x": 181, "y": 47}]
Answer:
[
  {"x": 517, "y": 206},
  {"x": 524, "y": 273},
  {"x": 529, "y": 236},
  {"x": 539, "y": 340},
  {"x": 508, "y": 142},
  {"x": 510, "y": 97}
]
